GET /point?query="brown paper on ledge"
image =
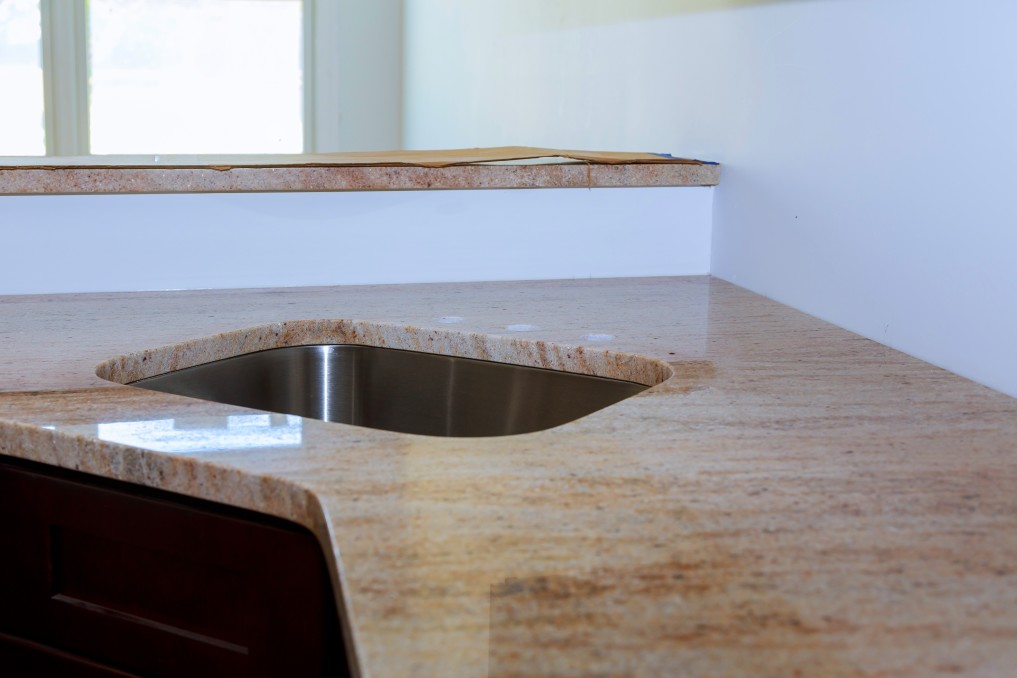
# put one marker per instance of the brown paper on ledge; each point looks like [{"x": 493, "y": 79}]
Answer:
[
  {"x": 442, "y": 158},
  {"x": 470, "y": 156}
]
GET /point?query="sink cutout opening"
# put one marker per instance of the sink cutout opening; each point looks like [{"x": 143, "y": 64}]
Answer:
[{"x": 397, "y": 390}]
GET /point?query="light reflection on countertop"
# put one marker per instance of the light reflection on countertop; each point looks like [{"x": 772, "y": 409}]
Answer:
[{"x": 206, "y": 434}]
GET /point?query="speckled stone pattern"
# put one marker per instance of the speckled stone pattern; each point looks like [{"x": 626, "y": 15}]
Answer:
[
  {"x": 76, "y": 180},
  {"x": 579, "y": 359},
  {"x": 794, "y": 500}
]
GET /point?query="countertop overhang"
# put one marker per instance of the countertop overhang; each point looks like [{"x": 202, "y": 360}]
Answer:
[
  {"x": 488, "y": 168},
  {"x": 794, "y": 500}
]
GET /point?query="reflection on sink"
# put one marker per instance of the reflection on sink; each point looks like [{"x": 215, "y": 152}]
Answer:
[{"x": 397, "y": 390}]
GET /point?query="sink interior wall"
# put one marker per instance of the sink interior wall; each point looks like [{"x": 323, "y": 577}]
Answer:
[{"x": 397, "y": 390}]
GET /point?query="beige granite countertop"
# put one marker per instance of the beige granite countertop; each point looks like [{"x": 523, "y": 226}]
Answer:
[
  {"x": 507, "y": 167},
  {"x": 795, "y": 500}
]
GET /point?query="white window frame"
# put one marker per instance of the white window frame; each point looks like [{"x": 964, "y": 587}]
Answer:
[
  {"x": 65, "y": 76},
  {"x": 321, "y": 74},
  {"x": 65, "y": 71}
]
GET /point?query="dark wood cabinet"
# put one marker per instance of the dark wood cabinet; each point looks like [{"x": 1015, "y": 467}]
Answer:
[{"x": 102, "y": 578}]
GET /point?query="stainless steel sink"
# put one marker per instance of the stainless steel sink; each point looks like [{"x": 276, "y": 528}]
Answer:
[{"x": 397, "y": 390}]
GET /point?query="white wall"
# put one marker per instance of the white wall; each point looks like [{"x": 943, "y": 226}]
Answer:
[
  {"x": 868, "y": 144},
  {"x": 97, "y": 243}
]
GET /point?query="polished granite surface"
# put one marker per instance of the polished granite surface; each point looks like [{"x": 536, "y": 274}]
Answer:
[{"x": 794, "y": 500}]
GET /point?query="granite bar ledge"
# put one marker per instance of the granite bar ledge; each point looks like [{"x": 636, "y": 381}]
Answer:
[{"x": 235, "y": 174}]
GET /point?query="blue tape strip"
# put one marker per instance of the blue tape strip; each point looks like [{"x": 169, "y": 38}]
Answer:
[{"x": 668, "y": 155}]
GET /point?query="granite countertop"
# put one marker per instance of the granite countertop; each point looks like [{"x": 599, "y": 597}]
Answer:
[
  {"x": 504, "y": 167},
  {"x": 795, "y": 500}
]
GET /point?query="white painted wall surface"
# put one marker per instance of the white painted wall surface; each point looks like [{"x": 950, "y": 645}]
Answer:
[
  {"x": 868, "y": 145},
  {"x": 95, "y": 243}
]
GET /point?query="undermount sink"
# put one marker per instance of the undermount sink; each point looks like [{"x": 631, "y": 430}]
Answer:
[{"x": 397, "y": 390}]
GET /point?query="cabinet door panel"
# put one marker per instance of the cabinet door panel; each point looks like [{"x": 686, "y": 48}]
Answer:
[
  {"x": 22, "y": 659},
  {"x": 149, "y": 583}
]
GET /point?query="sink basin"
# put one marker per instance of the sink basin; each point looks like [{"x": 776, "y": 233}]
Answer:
[{"x": 397, "y": 390}]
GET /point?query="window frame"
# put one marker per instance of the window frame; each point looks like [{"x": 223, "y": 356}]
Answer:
[{"x": 65, "y": 76}]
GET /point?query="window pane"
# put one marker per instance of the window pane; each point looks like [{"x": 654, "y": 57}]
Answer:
[
  {"x": 196, "y": 76},
  {"x": 22, "y": 122}
]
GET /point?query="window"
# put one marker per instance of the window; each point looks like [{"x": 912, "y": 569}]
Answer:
[
  {"x": 153, "y": 76},
  {"x": 22, "y": 131},
  {"x": 179, "y": 76},
  {"x": 199, "y": 76}
]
